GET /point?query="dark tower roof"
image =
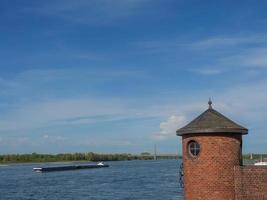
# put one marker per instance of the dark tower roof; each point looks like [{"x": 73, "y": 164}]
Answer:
[{"x": 211, "y": 121}]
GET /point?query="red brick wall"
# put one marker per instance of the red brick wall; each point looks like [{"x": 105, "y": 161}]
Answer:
[
  {"x": 251, "y": 182},
  {"x": 210, "y": 176}
]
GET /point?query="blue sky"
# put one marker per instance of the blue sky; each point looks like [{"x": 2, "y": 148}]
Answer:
[{"x": 123, "y": 75}]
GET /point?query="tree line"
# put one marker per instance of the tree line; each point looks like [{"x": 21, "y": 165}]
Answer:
[
  {"x": 255, "y": 156},
  {"x": 35, "y": 157}
]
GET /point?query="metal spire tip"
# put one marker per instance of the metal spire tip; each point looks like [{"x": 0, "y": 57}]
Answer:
[{"x": 210, "y": 103}]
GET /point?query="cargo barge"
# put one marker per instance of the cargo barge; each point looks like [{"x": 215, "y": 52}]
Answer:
[{"x": 69, "y": 167}]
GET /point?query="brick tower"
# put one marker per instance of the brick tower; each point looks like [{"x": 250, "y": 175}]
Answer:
[{"x": 212, "y": 146}]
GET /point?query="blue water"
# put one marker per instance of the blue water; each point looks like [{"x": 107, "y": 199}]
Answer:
[{"x": 140, "y": 180}]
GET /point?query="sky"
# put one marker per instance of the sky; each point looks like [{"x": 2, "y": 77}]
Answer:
[{"x": 118, "y": 76}]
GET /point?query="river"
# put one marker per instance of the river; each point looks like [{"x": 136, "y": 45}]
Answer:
[{"x": 131, "y": 180}]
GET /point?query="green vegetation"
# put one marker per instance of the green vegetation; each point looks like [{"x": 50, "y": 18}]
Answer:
[
  {"x": 145, "y": 154},
  {"x": 254, "y": 156},
  {"x": 34, "y": 157}
]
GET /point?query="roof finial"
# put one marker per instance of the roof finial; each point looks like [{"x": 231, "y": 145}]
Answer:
[{"x": 210, "y": 102}]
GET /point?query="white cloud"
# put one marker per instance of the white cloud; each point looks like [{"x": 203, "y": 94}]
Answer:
[
  {"x": 244, "y": 103},
  {"x": 168, "y": 128}
]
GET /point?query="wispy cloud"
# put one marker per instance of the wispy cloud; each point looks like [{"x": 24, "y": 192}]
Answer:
[
  {"x": 38, "y": 82},
  {"x": 55, "y": 112},
  {"x": 218, "y": 42},
  {"x": 35, "y": 104},
  {"x": 14, "y": 141},
  {"x": 207, "y": 71},
  {"x": 50, "y": 139},
  {"x": 244, "y": 52},
  {"x": 110, "y": 142},
  {"x": 79, "y": 111},
  {"x": 53, "y": 137},
  {"x": 228, "y": 42},
  {"x": 244, "y": 103},
  {"x": 248, "y": 58},
  {"x": 223, "y": 53},
  {"x": 90, "y": 12}
]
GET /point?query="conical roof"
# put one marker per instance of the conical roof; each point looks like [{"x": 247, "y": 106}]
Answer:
[{"x": 211, "y": 121}]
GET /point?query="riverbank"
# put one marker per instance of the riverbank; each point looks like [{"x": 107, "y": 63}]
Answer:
[
  {"x": 70, "y": 157},
  {"x": 95, "y": 157}
]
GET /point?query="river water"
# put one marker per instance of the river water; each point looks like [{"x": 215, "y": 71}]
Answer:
[{"x": 131, "y": 180}]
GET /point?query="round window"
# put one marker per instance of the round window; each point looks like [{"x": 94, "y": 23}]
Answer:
[{"x": 193, "y": 148}]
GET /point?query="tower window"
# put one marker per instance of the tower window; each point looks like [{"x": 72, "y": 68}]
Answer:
[{"x": 193, "y": 148}]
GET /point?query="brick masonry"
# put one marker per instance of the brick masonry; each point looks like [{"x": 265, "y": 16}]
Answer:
[
  {"x": 210, "y": 176},
  {"x": 217, "y": 172},
  {"x": 250, "y": 182}
]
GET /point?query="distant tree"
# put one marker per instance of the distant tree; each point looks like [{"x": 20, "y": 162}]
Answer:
[
  {"x": 145, "y": 154},
  {"x": 35, "y": 157}
]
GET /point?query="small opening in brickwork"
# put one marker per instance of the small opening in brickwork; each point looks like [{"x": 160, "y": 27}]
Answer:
[{"x": 193, "y": 148}]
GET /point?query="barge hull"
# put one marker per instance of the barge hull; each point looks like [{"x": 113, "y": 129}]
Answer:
[{"x": 65, "y": 168}]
